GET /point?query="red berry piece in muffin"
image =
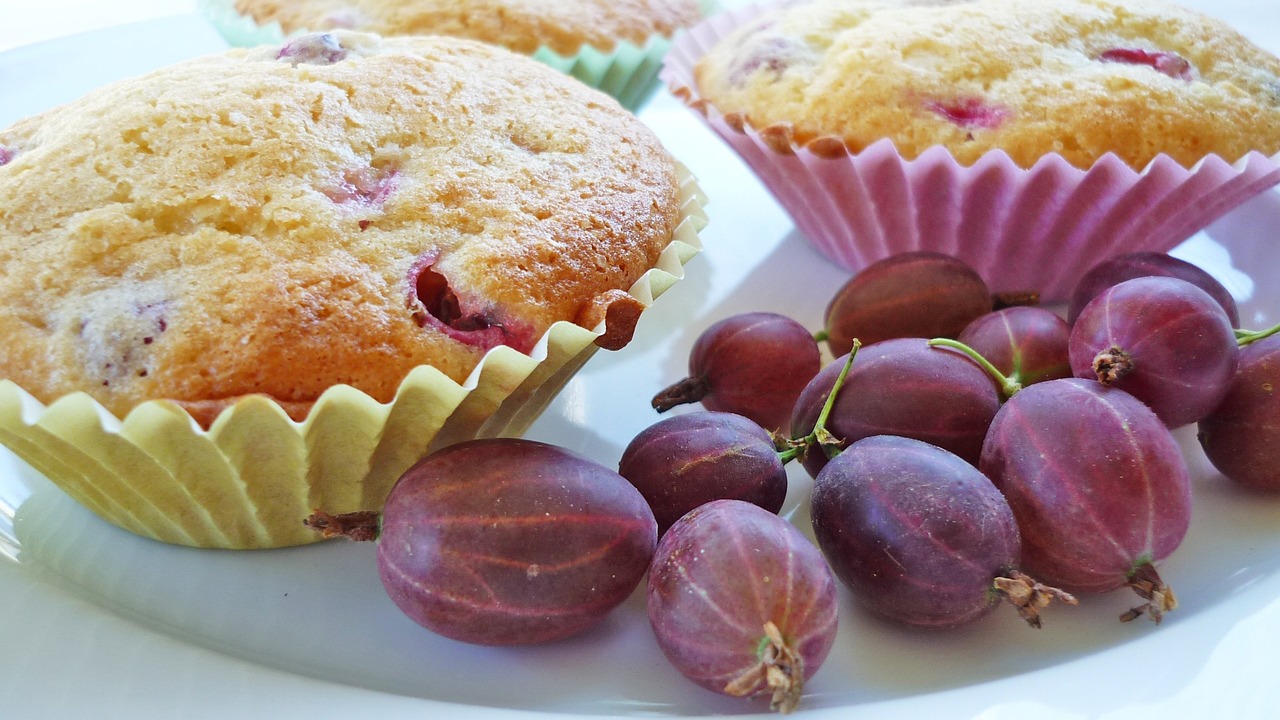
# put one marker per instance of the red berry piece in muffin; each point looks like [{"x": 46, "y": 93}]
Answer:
[
  {"x": 772, "y": 53},
  {"x": 1166, "y": 63},
  {"x": 364, "y": 187},
  {"x": 313, "y": 49},
  {"x": 466, "y": 318},
  {"x": 970, "y": 113}
]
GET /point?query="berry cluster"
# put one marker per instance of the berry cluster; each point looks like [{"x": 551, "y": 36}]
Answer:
[{"x": 964, "y": 455}]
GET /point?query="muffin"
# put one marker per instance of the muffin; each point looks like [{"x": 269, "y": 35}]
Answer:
[
  {"x": 1025, "y": 137},
  {"x": 310, "y": 262},
  {"x": 1080, "y": 78},
  {"x": 614, "y": 45}
]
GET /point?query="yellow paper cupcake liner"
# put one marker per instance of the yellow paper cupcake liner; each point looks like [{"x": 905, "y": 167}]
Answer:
[
  {"x": 250, "y": 479},
  {"x": 628, "y": 72}
]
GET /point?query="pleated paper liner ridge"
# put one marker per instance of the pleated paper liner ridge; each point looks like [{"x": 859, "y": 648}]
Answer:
[
  {"x": 628, "y": 72},
  {"x": 255, "y": 474},
  {"x": 1038, "y": 229}
]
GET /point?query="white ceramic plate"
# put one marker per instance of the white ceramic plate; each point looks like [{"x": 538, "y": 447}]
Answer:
[{"x": 95, "y": 622}]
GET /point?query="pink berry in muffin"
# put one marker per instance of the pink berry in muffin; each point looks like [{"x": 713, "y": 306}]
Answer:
[
  {"x": 466, "y": 318},
  {"x": 313, "y": 49},
  {"x": 365, "y": 186},
  {"x": 970, "y": 113},
  {"x": 772, "y": 54},
  {"x": 6, "y": 154},
  {"x": 1166, "y": 63}
]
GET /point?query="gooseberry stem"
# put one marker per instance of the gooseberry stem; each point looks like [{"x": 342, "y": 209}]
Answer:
[
  {"x": 1147, "y": 583},
  {"x": 1017, "y": 298},
  {"x": 688, "y": 390},
  {"x": 821, "y": 336},
  {"x": 1244, "y": 337},
  {"x": 1008, "y": 386},
  {"x": 1028, "y": 596},
  {"x": 819, "y": 435},
  {"x": 360, "y": 526}
]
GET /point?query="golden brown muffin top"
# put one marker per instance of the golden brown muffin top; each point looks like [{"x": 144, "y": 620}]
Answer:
[
  {"x": 339, "y": 210},
  {"x": 519, "y": 25},
  {"x": 1078, "y": 77}
]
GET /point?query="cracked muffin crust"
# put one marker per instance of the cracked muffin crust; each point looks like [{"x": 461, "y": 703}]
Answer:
[{"x": 337, "y": 210}]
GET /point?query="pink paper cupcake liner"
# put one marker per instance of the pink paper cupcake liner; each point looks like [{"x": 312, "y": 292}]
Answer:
[{"x": 1037, "y": 229}]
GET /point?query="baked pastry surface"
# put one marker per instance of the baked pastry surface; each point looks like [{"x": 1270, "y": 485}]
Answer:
[
  {"x": 1081, "y": 78},
  {"x": 338, "y": 210},
  {"x": 520, "y": 25}
]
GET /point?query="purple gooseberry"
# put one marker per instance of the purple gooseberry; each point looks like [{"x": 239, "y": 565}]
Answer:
[
  {"x": 1116, "y": 270},
  {"x": 903, "y": 387},
  {"x": 507, "y": 541},
  {"x": 689, "y": 460},
  {"x": 741, "y": 603},
  {"x": 752, "y": 364},
  {"x": 463, "y": 316},
  {"x": 1026, "y": 344},
  {"x": 915, "y": 294},
  {"x": 364, "y": 187},
  {"x": 1162, "y": 340},
  {"x": 920, "y": 536},
  {"x": 1098, "y": 485},
  {"x": 1241, "y": 437}
]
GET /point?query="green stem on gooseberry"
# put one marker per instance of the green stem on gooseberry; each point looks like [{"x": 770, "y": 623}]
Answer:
[
  {"x": 790, "y": 453},
  {"x": 820, "y": 436},
  {"x": 1244, "y": 337},
  {"x": 821, "y": 336},
  {"x": 1008, "y": 386}
]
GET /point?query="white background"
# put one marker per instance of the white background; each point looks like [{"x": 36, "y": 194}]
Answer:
[{"x": 23, "y": 22}]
